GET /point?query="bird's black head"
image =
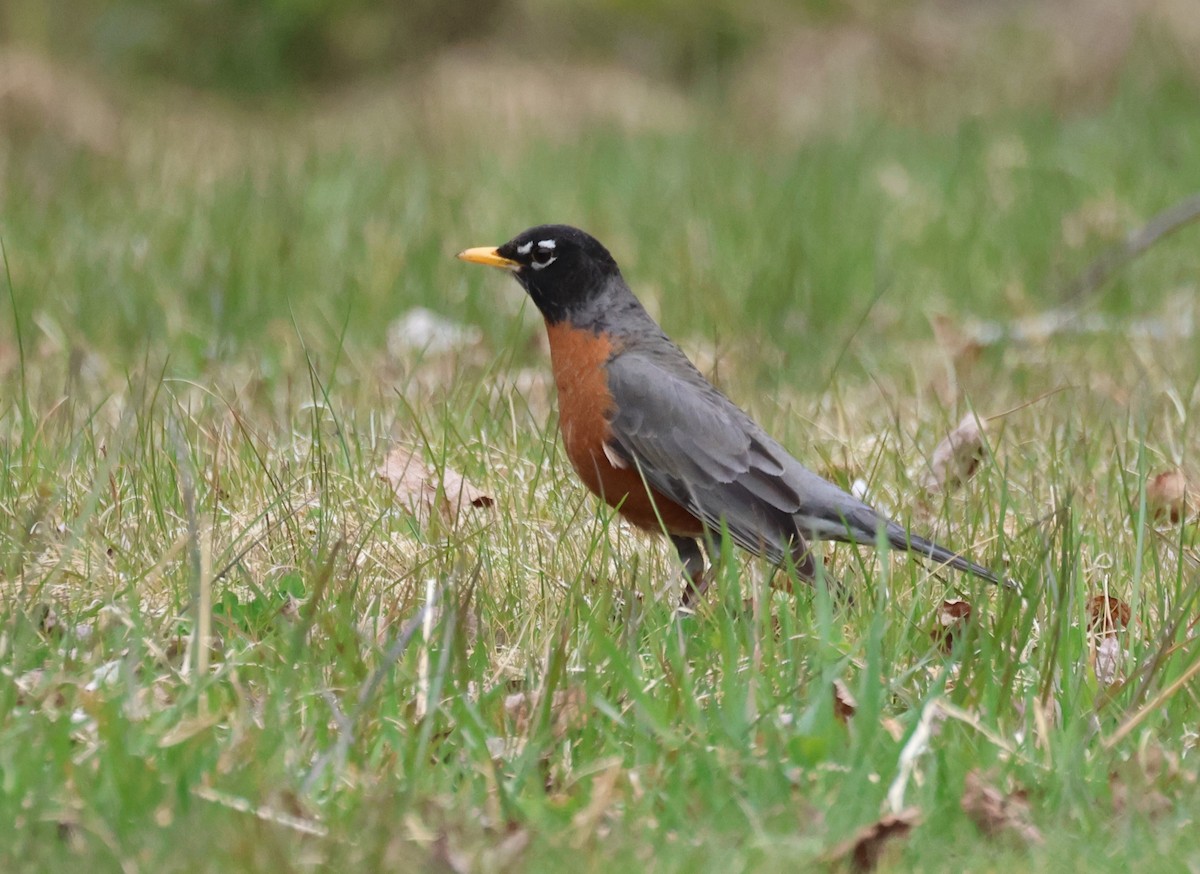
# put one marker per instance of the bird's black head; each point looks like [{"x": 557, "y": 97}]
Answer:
[{"x": 563, "y": 269}]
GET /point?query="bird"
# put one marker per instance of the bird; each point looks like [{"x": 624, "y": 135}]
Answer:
[{"x": 652, "y": 437}]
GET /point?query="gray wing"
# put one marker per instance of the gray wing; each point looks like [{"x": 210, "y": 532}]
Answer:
[{"x": 695, "y": 446}]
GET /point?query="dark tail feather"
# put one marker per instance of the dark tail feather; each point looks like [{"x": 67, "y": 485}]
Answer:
[{"x": 901, "y": 539}]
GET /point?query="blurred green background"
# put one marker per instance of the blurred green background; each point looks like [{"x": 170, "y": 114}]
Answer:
[
  {"x": 191, "y": 171},
  {"x": 248, "y": 47}
]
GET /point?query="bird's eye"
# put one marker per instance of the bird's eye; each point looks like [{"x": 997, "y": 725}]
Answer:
[{"x": 543, "y": 255}]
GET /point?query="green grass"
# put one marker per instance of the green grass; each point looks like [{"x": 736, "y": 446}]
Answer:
[{"x": 197, "y": 390}]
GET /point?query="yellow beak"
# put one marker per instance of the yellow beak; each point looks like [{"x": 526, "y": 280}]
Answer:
[{"x": 489, "y": 256}]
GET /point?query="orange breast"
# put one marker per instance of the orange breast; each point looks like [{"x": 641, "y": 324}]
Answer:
[{"x": 585, "y": 407}]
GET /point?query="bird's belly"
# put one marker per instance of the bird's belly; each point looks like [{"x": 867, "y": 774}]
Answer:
[
  {"x": 622, "y": 487},
  {"x": 585, "y": 409}
]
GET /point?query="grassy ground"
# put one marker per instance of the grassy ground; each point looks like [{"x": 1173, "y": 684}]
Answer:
[{"x": 199, "y": 383}]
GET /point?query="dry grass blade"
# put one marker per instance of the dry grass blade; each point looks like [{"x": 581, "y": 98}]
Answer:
[
  {"x": 263, "y": 812},
  {"x": 932, "y": 716}
]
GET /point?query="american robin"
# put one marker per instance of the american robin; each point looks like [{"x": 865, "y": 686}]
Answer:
[{"x": 648, "y": 434}]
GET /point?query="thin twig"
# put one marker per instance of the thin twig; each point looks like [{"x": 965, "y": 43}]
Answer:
[{"x": 1162, "y": 225}]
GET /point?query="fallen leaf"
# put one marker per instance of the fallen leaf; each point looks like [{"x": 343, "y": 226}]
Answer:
[
  {"x": 1166, "y": 496},
  {"x": 996, "y": 813},
  {"x": 864, "y": 850},
  {"x": 844, "y": 705},
  {"x": 1107, "y": 615},
  {"x": 417, "y": 486},
  {"x": 951, "y": 623},
  {"x": 1106, "y": 660},
  {"x": 956, "y": 457}
]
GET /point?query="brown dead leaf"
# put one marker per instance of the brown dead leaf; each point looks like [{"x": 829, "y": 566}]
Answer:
[
  {"x": 951, "y": 622},
  {"x": 1107, "y": 615},
  {"x": 957, "y": 457},
  {"x": 1166, "y": 496},
  {"x": 417, "y": 486},
  {"x": 844, "y": 705},
  {"x": 863, "y": 851},
  {"x": 997, "y": 813}
]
